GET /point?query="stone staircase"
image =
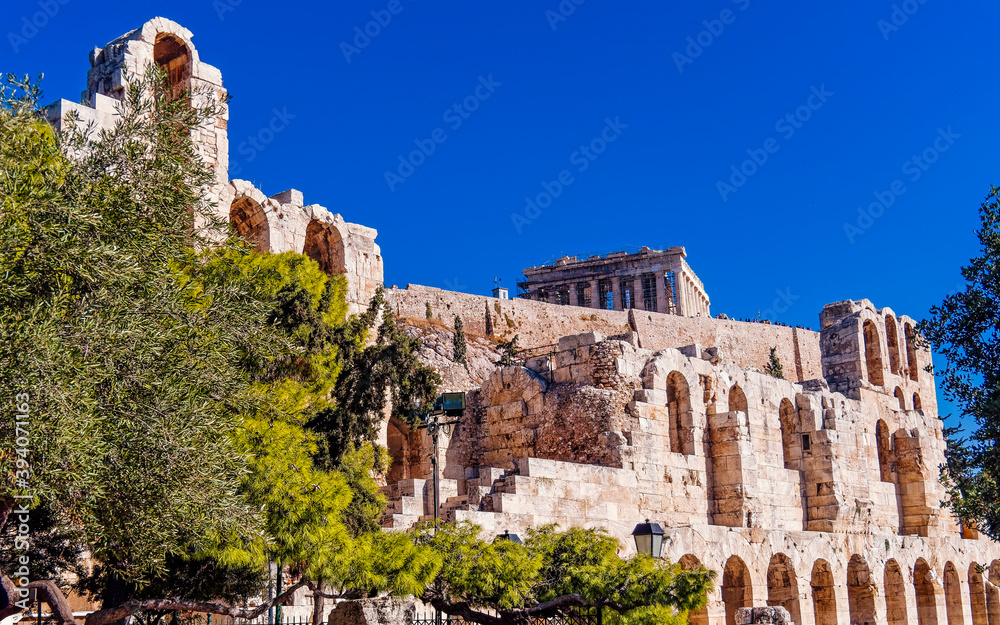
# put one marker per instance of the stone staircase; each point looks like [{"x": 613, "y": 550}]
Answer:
[{"x": 411, "y": 501}]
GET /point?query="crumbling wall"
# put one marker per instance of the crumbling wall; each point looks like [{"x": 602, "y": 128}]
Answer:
[{"x": 539, "y": 324}]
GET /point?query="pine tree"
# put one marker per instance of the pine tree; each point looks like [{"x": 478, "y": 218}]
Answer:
[
  {"x": 458, "y": 343},
  {"x": 963, "y": 329},
  {"x": 508, "y": 352},
  {"x": 774, "y": 368}
]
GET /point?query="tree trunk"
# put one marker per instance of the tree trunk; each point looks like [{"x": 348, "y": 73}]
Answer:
[
  {"x": 318, "y": 602},
  {"x": 116, "y": 593}
]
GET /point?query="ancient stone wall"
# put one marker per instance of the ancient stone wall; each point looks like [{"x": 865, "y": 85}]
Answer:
[
  {"x": 538, "y": 324},
  {"x": 823, "y": 502}
]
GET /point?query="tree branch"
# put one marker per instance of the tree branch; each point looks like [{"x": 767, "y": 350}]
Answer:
[{"x": 110, "y": 615}]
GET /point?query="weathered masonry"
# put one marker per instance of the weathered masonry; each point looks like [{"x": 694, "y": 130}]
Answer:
[
  {"x": 277, "y": 223},
  {"x": 651, "y": 280},
  {"x": 818, "y": 493}
]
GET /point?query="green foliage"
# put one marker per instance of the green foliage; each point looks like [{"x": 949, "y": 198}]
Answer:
[
  {"x": 385, "y": 370},
  {"x": 774, "y": 368},
  {"x": 458, "y": 343},
  {"x": 358, "y": 465},
  {"x": 964, "y": 330},
  {"x": 171, "y": 372},
  {"x": 511, "y": 579},
  {"x": 429, "y": 313},
  {"x": 131, "y": 371},
  {"x": 508, "y": 352}
]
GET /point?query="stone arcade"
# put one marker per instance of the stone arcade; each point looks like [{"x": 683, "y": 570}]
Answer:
[{"x": 817, "y": 494}]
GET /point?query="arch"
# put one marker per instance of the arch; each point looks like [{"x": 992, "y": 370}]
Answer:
[
  {"x": 917, "y": 404},
  {"x": 892, "y": 340},
  {"x": 790, "y": 445},
  {"x": 953, "y": 595},
  {"x": 172, "y": 55},
  {"x": 249, "y": 220},
  {"x": 977, "y": 593},
  {"x": 398, "y": 446},
  {"x": 993, "y": 593},
  {"x": 873, "y": 353},
  {"x": 783, "y": 586},
  {"x": 900, "y": 398},
  {"x": 737, "y": 589},
  {"x": 923, "y": 584},
  {"x": 911, "y": 351},
  {"x": 737, "y": 400},
  {"x": 895, "y": 594},
  {"x": 325, "y": 245},
  {"x": 679, "y": 409},
  {"x": 823, "y": 594},
  {"x": 699, "y": 616},
  {"x": 884, "y": 448},
  {"x": 860, "y": 592}
]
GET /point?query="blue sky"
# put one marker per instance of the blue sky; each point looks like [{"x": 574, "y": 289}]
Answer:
[{"x": 890, "y": 102}]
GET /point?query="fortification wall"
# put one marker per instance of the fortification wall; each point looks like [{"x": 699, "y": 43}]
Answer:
[{"x": 539, "y": 324}]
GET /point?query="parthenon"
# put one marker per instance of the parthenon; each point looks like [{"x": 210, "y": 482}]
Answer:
[{"x": 651, "y": 280}]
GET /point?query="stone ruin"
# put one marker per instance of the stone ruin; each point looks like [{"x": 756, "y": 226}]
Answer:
[{"x": 816, "y": 498}]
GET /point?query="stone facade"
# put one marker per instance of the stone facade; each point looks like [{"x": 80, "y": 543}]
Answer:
[
  {"x": 279, "y": 223},
  {"x": 816, "y": 495},
  {"x": 650, "y": 280}
]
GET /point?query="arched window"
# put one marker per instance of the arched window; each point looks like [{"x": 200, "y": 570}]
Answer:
[
  {"x": 790, "y": 445},
  {"x": 884, "y": 449},
  {"x": 923, "y": 584},
  {"x": 895, "y": 594},
  {"x": 917, "y": 404},
  {"x": 953, "y": 595},
  {"x": 977, "y": 592},
  {"x": 911, "y": 351},
  {"x": 325, "y": 245},
  {"x": 737, "y": 589},
  {"x": 901, "y": 398},
  {"x": 737, "y": 400},
  {"x": 172, "y": 55},
  {"x": 892, "y": 341},
  {"x": 824, "y": 594},
  {"x": 873, "y": 354},
  {"x": 679, "y": 409},
  {"x": 860, "y": 592},
  {"x": 249, "y": 221},
  {"x": 783, "y": 586}
]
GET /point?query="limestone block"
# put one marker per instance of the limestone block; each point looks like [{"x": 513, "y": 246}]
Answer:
[
  {"x": 763, "y": 616},
  {"x": 580, "y": 340},
  {"x": 377, "y": 611}
]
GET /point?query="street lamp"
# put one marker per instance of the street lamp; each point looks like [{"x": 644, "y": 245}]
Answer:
[
  {"x": 648, "y": 538},
  {"x": 514, "y": 538},
  {"x": 447, "y": 405}
]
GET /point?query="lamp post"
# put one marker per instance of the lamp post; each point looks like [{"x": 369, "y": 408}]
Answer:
[
  {"x": 514, "y": 538},
  {"x": 447, "y": 405},
  {"x": 648, "y": 538}
]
